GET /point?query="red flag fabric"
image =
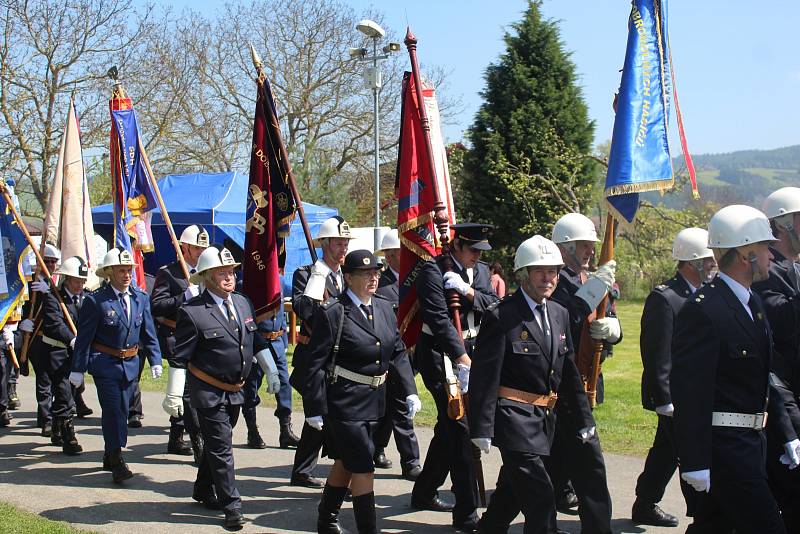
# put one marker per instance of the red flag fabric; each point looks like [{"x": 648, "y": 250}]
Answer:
[
  {"x": 418, "y": 238},
  {"x": 270, "y": 210}
]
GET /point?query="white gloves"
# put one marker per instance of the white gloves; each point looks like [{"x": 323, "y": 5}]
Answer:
[
  {"x": 792, "y": 455},
  {"x": 26, "y": 325},
  {"x": 40, "y": 285},
  {"x": 315, "y": 422},
  {"x": 267, "y": 364},
  {"x": 484, "y": 444},
  {"x": 606, "y": 329},
  {"x": 76, "y": 379},
  {"x": 665, "y": 409},
  {"x": 599, "y": 283},
  {"x": 72, "y": 343},
  {"x": 586, "y": 434},
  {"x": 173, "y": 402},
  {"x": 192, "y": 291},
  {"x": 8, "y": 335},
  {"x": 156, "y": 371},
  {"x": 462, "y": 372},
  {"x": 414, "y": 405},
  {"x": 454, "y": 281},
  {"x": 699, "y": 480},
  {"x": 315, "y": 288}
]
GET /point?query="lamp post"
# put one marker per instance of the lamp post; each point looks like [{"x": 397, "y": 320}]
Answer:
[{"x": 372, "y": 75}]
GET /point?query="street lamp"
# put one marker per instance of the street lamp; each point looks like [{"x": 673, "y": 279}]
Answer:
[{"x": 372, "y": 76}]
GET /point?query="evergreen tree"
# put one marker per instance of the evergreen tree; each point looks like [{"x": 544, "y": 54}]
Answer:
[{"x": 528, "y": 163}]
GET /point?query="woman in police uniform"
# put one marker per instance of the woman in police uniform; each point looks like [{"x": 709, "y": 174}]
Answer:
[{"x": 355, "y": 337}]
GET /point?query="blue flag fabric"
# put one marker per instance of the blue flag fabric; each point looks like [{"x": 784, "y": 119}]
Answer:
[
  {"x": 15, "y": 260},
  {"x": 640, "y": 156},
  {"x": 134, "y": 196}
]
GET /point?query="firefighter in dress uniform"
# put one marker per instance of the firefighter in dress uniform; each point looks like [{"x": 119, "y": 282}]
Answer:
[
  {"x": 216, "y": 341},
  {"x": 114, "y": 324},
  {"x": 443, "y": 354},
  {"x": 720, "y": 384},
  {"x": 311, "y": 286},
  {"x": 355, "y": 338},
  {"x": 523, "y": 363},
  {"x": 781, "y": 296},
  {"x": 170, "y": 291},
  {"x": 397, "y": 418},
  {"x": 57, "y": 334}
]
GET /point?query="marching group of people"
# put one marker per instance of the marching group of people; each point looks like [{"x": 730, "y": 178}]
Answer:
[{"x": 719, "y": 344}]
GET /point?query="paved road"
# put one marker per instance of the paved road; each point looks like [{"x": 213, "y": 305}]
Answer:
[{"x": 37, "y": 477}]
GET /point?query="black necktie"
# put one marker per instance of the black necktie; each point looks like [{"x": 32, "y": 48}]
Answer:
[
  {"x": 367, "y": 309},
  {"x": 76, "y": 301},
  {"x": 124, "y": 304},
  {"x": 230, "y": 315},
  {"x": 545, "y": 327}
]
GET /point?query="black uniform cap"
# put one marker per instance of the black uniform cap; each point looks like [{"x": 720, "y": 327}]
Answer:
[
  {"x": 474, "y": 235},
  {"x": 360, "y": 259}
]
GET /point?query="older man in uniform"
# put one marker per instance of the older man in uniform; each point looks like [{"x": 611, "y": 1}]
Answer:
[
  {"x": 781, "y": 297},
  {"x": 311, "y": 286},
  {"x": 397, "y": 415},
  {"x": 114, "y": 324},
  {"x": 216, "y": 340},
  {"x": 522, "y": 364},
  {"x": 580, "y": 459},
  {"x": 170, "y": 291},
  {"x": 695, "y": 267},
  {"x": 720, "y": 384},
  {"x": 441, "y": 348},
  {"x": 57, "y": 334}
]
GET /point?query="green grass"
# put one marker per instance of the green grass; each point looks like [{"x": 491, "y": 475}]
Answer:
[
  {"x": 15, "y": 521},
  {"x": 625, "y": 427}
]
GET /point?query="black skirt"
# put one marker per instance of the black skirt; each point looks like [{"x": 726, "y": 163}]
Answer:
[{"x": 352, "y": 443}]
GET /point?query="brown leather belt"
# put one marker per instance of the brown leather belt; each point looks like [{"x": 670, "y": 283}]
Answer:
[
  {"x": 272, "y": 336},
  {"x": 169, "y": 323},
  {"x": 122, "y": 354},
  {"x": 217, "y": 383},
  {"x": 303, "y": 339},
  {"x": 526, "y": 397}
]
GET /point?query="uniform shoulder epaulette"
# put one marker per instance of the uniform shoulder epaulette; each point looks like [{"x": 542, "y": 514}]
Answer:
[
  {"x": 494, "y": 305},
  {"x": 330, "y": 302},
  {"x": 661, "y": 287},
  {"x": 379, "y": 296}
]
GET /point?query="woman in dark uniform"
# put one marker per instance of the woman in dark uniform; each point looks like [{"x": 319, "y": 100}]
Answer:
[{"x": 355, "y": 337}]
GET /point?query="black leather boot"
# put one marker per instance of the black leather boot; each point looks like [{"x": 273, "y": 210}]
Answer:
[
  {"x": 81, "y": 410},
  {"x": 364, "y": 510},
  {"x": 69, "y": 445},
  {"x": 55, "y": 432},
  {"x": 119, "y": 469},
  {"x": 287, "y": 438},
  {"x": 254, "y": 440},
  {"x": 329, "y": 506},
  {"x": 176, "y": 443}
]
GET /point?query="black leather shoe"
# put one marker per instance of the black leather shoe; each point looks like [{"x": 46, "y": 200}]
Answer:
[
  {"x": 207, "y": 498},
  {"x": 106, "y": 461},
  {"x": 652, "y": 514},
  {"x": 5, "y": 418},
  {"x": 254, "y": 440},
  {"x": 13, "y": 398},
  {"x": 134, "y": 421},
  {"x": 233, "y": 520},
  {"x": 176, "y": 444},
  {"x": 119, "y": 469},
  {"x": 306, "y": 481},
  {"x": 81, "y": 410},
  {"x": 381, "y": 461},
  {"x": 412, "y": 474},
  {"x": 469, "y": 524},
  {"x": 47, "y": 430},
  {"x": 567, "y": 503},
  {"x": 287, "y": 438},
  {"x": 435, "y": 504}
]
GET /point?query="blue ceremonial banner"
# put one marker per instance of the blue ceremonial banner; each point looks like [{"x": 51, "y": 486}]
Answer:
[
  {"x": 134, "y": 197},
  {"x": 640, "y": 156},
  {"x": 14, "y": 260}
]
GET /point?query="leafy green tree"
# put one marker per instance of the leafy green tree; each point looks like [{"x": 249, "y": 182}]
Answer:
[{"x": 529, "y": 163}]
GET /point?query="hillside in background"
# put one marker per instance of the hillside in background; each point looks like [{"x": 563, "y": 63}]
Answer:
[{"x": 743, "y": 177}]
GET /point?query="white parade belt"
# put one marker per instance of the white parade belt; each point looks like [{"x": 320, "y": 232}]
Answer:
[
  {"x": 465, "y": 334},
  {"x": 54, "y": 342},
  {"x": 372, "y": 381},
  {"x": 755, "y": 421}
]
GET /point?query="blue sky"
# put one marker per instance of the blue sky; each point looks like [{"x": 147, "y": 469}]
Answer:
[{"x": 736, "y": 61}]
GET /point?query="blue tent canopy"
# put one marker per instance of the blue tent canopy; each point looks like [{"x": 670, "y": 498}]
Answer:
[{"x": 217, "y": 202}]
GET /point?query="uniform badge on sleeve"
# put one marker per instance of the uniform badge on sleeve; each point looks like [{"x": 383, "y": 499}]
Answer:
[{"x": 524, "y": 335}]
